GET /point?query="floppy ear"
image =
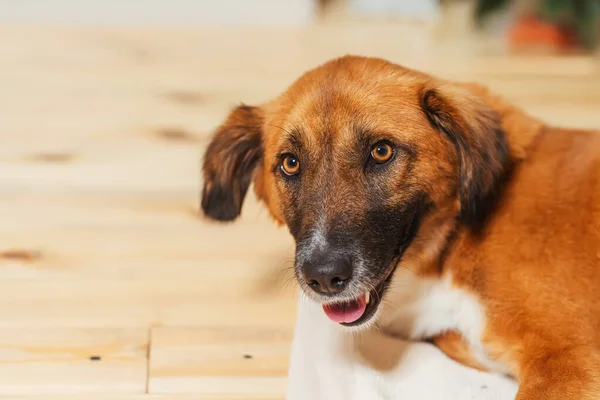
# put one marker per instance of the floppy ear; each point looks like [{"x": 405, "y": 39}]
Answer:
[
  {"x": 481, "y": 145},
  {"x": 230, "y": 161}
]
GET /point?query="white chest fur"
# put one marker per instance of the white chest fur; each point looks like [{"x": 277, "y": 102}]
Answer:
[{"x": 419, "y": 308}]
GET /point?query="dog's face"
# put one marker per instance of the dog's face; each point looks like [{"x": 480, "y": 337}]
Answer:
[{"x": 367, "y": 163}]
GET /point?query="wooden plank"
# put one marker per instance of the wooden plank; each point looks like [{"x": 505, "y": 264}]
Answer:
[
  {"x": 138, "y": 304},
  {"x": 66, "y": 361},
  {"x": 220, "y": 361},
  {"x": 136, "y": 238},
  {"x": 129, "y": 262}
]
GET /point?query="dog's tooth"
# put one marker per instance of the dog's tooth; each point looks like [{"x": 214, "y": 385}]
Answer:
[{"x": 368, "y": 297}]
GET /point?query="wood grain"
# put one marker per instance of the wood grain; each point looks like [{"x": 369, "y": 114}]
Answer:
[
  {"x": 101, "y": 136},
  {"x": 73, "y": 361},
  {"x": 221, "y": 361}
]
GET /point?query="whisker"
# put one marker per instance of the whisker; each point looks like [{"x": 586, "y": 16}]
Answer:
[
  {"x": 372, "y": 289},
  {"x": 284, "y": 270},
  {"x": 289, "y": 281}
]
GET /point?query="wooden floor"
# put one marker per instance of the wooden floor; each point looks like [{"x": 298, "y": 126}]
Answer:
[{"x": 110, "y": 282}]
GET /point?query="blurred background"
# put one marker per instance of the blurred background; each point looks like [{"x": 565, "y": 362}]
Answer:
[{"x": 111, "y": 282}]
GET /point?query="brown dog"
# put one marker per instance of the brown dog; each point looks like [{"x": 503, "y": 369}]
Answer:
[{"x": 492, "y": 217}]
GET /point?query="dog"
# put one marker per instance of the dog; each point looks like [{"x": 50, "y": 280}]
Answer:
[{"x": 429, "y": 210}]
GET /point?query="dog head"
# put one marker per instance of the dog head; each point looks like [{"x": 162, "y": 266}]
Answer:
[{"x": 367, "y": 163}]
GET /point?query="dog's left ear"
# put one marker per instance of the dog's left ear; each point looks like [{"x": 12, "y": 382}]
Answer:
[
  {"x": 230, "y": 161},
  {"x": 480, "y": 142}
]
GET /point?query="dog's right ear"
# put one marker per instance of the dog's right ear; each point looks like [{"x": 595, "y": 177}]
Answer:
[
  {"x": 230, "y": 161},
  {"x": 481, "y": 144}
]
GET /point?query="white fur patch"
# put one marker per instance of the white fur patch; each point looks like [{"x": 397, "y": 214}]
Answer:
[
  {"x": 316, "y": 241},
  {"x": 420, "y": 308},
  {"x": 330, "y": 363}
]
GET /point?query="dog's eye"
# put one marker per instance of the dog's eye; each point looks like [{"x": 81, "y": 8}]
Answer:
[
  {"x": 290, "y": 165},
  {"x": 382, "y": 152}
]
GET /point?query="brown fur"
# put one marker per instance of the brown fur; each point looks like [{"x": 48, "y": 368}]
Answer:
[
  {"x": 455, "y": 347},
  {"x": 513, "y": 204}
]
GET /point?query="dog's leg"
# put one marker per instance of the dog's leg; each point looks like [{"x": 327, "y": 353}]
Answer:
[
  {"x": 455, "y": 347},
  {"x": 566, "y": 374}
]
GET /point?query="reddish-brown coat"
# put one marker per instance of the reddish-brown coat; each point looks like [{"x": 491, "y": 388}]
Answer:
[{"x": 535, "y": 266}]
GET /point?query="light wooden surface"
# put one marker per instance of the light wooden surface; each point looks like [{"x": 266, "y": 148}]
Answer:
[
  {"x": 102, "y": 251},
  {"x": 73, "y": 360},
  {"x": 248, "y": 362}
]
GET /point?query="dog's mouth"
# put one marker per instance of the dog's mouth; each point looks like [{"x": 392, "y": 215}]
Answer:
[{"x": 361, "y": 309}]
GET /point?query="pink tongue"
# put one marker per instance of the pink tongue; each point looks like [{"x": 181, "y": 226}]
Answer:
[{"x": 346, "y": 312}]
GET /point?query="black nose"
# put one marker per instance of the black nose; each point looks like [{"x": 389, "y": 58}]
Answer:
[{"x": 327, "y": 274}]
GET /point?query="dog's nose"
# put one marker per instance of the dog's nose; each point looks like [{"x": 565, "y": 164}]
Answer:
[{"x": 327, "y": 275}]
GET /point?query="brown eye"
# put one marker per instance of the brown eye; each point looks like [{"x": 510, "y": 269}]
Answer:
[
  {"x": 382, "y": 152},
  {"x": 290, "y": 165}
]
